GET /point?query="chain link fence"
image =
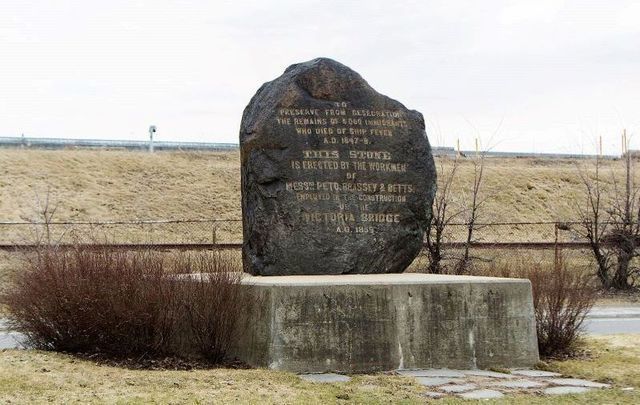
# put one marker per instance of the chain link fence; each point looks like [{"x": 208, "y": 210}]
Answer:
[
  {"x": 193, "y": 233},
  {"x": 490, "y": 242},
  {"x": 176, "y": 233}
]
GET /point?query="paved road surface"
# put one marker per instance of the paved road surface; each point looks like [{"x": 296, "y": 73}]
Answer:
[
  {"x": 600, "y": 321},
  {"x": 8, "y": 340},
  {"x": 609, "y": 320}
]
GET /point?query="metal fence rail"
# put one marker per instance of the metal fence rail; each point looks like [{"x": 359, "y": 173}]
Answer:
[
  {"x": 21, "y": 235},
  {"x": 63, "y": 143},
  {"x": 66, "y": 143},
  {"x": 227, "y": 233}
]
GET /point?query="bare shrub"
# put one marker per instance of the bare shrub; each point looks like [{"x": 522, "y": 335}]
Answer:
[
  {"x": 473, "y": 211},
  {"x": 84, "y": 301},
  {"x": 562, "y": 297},
  {"x": 609, "y": 219},
  {"x": 442, "y": 216},
  {"x": 122, "y": 304},
  {"x": 213, "y": 302},
  {"x": 454, "y": 201}
]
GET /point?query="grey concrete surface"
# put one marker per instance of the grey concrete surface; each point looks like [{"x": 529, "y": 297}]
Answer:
[
  {"x": 443, "y": 372},
  {"x": 615, "y": 311},
  {"x": 456, "y": 388},
  {"x": 519, "y": 384},
  {"x": 487, "y": 373},
  {"x": 600, "y": 321},
  {"x": 9, "y": 339},
  {"x": 370, "y": 279},
  {"x": 369, "y": 323},
  {"x": 435, "y": 381},
  {"x": 576, "y": 382},
  {"x": 610, "y": 319},
  {"x": 608, "y": 326},
  {"x": 12, "y": 340},
  {"x": 534, "y": 373},
  {"x": 482, "y": 394},
  {"x": 325, "y": 378},
  {"x": 565, "y": 390},
  {"x": 474, "y": 384}
]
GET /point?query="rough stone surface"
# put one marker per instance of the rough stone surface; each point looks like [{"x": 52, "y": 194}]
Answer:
[
  {"x": 520, "y": 384},
  {"x": 455, "y": 388},
  {"x": 325, "y": 378},
  {"x": 535, "y": 373},
  {"x": 565, "y": 390},
  {"x": 482, "y": 394},
  {"x": 380, "y": 322},
  {"x": 442, "y": 372},
  {"x": 435, "y": 381},
  {"x": 577, "y": 382},
  {"x": 336, "y": 178},
  {"x": 479, "y": 385},
  {"x": 487, "y": 373}
]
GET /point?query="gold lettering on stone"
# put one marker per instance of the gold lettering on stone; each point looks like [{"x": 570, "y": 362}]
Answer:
[
  {"x": 346, "y": 143},
  {"x": 321, "y": 154},
  {"x": 369, "y": 154}
]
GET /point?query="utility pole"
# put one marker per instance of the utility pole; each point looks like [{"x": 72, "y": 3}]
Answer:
[
  {"x": 627, "y": 207},
  {"x": 600, "y": 145},
  {"x": 152, "y": 130}
]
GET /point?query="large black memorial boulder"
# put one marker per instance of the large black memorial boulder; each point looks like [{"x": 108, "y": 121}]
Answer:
[{"x": 336, "y": 178}]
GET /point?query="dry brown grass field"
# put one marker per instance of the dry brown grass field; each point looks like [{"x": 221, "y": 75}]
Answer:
[
  {"x": 118, "y": 185},
  {"x": 103, "y": 185}
]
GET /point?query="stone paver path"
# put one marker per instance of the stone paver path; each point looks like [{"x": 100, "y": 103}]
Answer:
[
  {"x": 435, "y": 381},
  {"x": 534, "y": 373},
  {"x": 482, "y": 384},
  {"x": 325, "y": 378},
  {"x": 565, "y": 390},
  {"x": 482, "y": 394},
  {"x": 575, "y": 382}
]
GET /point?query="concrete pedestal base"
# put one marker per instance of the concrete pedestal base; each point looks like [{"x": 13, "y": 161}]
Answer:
[{"x": 367, "y": 323}]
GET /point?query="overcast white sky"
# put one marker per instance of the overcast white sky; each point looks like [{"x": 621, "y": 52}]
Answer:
[{"x": 521, "y": 75}]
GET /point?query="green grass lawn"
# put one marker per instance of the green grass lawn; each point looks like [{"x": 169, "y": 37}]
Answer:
[{"x": 34, "y": 376}]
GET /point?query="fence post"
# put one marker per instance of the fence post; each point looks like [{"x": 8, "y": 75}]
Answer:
[{"x": 556, "y": 248}]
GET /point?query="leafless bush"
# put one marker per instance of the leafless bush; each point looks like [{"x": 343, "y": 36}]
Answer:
[
  {"x": 472, "y": 211},
  {"x": 562, "y": 297},
  {"x": 443, "y": 214},
  {"x": 450, "y": 206},
  {"x": 83, "y": 301},
  {"x": 122, "y": 304},
  {"x": 609, "y": 218},
  {"x": 213, "y": 302},
  {"x": 625, "y": 233}
]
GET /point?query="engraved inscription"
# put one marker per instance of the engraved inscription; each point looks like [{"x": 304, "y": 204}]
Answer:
[{"x": 349, "y": 156}]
